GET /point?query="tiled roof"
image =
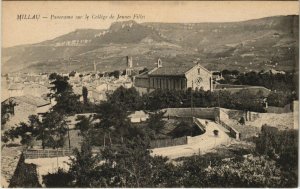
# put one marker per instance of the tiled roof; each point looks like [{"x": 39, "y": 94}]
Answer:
[
  {"x": 33, "y": 100},
  {"x": 142, "y": 75},
  {"x": 171, "y": 71}
]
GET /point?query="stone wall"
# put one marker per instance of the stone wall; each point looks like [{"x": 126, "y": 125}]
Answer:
[
  {"x": 172, "y": 83},
  {"x": 203, "y": 113},
  {"x": 238, "y": 114},
  {"x": 230, "y": 122},
  {"x": 168, "y": 142},
  {"x": 9, "y": 160},
  {"x": 21, "y": 113},
  {"x": 141, "y": 82}
]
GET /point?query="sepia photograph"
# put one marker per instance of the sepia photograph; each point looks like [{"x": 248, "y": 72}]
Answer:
[{"x": 149, "y": 94}]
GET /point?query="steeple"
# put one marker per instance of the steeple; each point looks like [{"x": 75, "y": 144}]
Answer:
[
  {"x": 95, "y": 69},
  {"x": 129, "y": 62}
]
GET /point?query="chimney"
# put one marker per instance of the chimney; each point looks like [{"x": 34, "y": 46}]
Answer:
[
  {"x": 129, "y": 61},
  {"x": 159, "y": 63}
]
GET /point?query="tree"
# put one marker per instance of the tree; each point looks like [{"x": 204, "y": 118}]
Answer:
[
  {"x": 131, "y": 165},
  {"x": 252, "y": 171},
  {"x": 115, "y": 74},
  {"x": 226, "y": 72},
  {"x": 53, "y": 131},
  {"x": 6, "y": 111},
  {"x": 279, "y": 145},
  {"x": 62, "y": 92},
  {"x": 85, "y": 95},
  {"x": 159, "y": 99},
  {"x": 83, "y": 171},
  {"x": 279, "y": 99},
  {"x": 85, "y": 123},
  {"x": 26, "y": 131},
  {"x": 156, "y": 122},
  {"x": 84, "y": 165},
  {"x": 245, "y": 100},
  {"x": 112, "y": 117},
  {"x": 127, "y": 99},
  {"x": 59, "y": 84}
]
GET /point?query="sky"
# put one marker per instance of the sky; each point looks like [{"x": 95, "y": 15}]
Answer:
[{"x": 17, "y": 32}]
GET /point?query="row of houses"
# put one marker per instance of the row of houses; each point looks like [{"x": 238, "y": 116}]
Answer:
[{"x": 193, "y": 76}]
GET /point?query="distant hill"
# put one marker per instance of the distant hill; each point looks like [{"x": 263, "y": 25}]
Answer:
[{"x": 248, "y": 45}]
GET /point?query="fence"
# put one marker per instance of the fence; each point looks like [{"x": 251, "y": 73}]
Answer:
[
  {"x": 168, "y": 142},
  {"x": 48, "y": 153}
]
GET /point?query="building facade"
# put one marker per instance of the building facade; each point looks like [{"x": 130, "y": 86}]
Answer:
[
  {"x": 174, "y": 78},
  {"x": 24, "y": 107}
]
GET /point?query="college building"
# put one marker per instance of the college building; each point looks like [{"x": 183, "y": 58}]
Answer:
[{"x": 174, "y": 78}]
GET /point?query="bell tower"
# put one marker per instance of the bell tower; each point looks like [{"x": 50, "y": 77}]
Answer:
[
  {"x": 129, "y": 66},
  {"x": 159, "y": 63}
]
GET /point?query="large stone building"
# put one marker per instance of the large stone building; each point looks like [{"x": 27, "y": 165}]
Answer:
[
  {"x": 25, "y": 106},
  {"x": 174, "y": 78}
]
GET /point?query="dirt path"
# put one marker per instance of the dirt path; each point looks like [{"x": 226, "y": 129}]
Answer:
[{"x": 198, "y": 144}]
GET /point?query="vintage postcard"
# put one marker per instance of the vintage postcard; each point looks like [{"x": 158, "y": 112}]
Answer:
[{"x": 149, "y": 94}]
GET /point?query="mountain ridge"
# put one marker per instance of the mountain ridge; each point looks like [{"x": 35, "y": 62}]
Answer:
[{"x": 260, "y": 42}]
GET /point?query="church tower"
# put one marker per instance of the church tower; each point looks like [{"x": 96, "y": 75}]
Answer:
[{"x": 129, "y": 66}]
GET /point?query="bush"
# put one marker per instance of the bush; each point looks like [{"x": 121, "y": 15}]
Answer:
[
  {"x": 242, "y": 121},
  {"x": 58, "y": 179},
  {"x": 281, "y": 145},
  {"x": 216, "y": 132}
]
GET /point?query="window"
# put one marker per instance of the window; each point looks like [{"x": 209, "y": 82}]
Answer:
[
  {"x": 153, "y": 82},
  {"x": 160, "y": 83},
  {"x": 174, "y": 82},
  {"x": 198, "y": 71},
  {"x": 167, "y": 84},
  {"x": 182, "y": 84}
]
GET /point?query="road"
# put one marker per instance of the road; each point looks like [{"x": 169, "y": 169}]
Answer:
[{"x": 198, "y": 144}]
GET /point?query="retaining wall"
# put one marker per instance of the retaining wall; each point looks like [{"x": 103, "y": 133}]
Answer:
[
  {"x": 202, "y": 113},
  {"x": 168, "y": 142}
]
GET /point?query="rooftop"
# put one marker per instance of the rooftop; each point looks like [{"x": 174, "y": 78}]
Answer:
[
  {"x": 143, "y": 75},
  {"x": 171, "y": 71},
  {"x": 33, "y": 100}
]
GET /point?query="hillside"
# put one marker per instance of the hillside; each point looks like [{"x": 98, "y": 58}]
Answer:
[{"x": 249, "y": 45}]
